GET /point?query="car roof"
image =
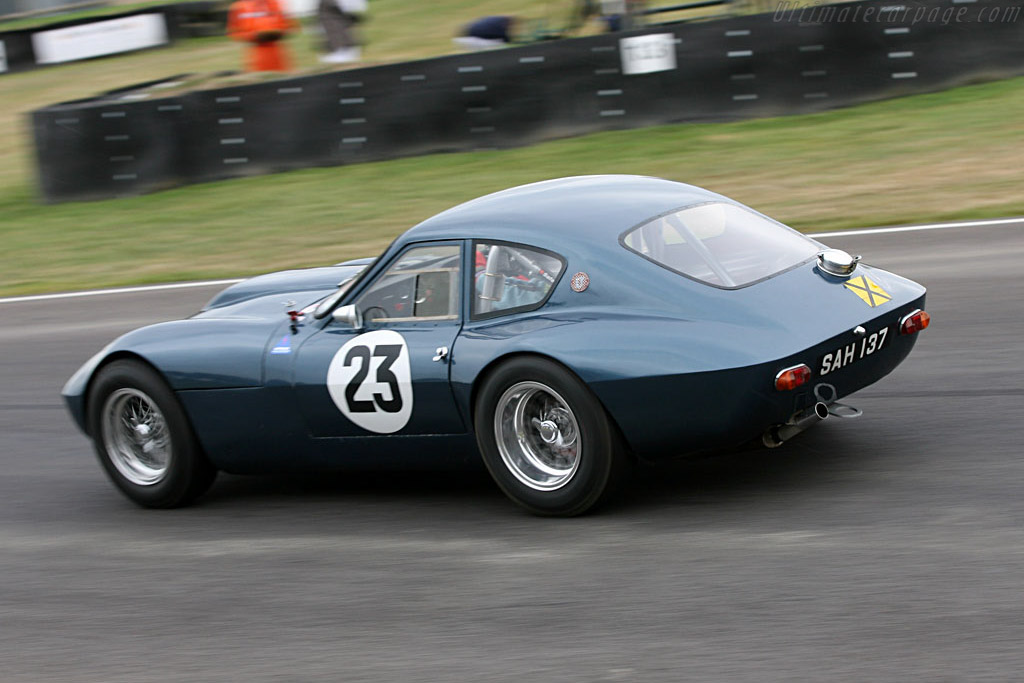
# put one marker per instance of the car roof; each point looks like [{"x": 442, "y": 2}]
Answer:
[{"x": 596, "y": 209}]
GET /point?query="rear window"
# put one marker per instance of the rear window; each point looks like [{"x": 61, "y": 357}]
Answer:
[{"x": 721, "y": 244}]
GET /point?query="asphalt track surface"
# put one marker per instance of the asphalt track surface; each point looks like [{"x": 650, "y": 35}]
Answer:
[{"x": 888, "y": 548}]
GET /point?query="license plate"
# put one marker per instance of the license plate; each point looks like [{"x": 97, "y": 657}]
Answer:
[{"x": 853, "y": 352}]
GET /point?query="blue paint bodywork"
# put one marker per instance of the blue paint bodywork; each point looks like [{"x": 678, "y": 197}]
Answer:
[{"x": 680, "y": 366}]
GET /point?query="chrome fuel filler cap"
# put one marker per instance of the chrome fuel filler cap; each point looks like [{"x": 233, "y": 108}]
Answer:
[{"x": 837, "y": 262}]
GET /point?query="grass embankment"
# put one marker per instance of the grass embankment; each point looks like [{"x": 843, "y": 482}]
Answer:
[{"x": 947, "y": 155}]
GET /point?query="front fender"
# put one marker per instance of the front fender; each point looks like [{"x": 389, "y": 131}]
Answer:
[
  {"x": 190, "y": 354},
  {"x": 78, "y": 384}
]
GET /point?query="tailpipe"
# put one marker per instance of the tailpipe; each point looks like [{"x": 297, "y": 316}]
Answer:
[
  {"x": 838, "y": 409},
  {"x": 779, "y": 434}
]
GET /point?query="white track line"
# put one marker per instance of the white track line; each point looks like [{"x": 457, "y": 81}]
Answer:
[
  {"x": 213, "y": 283},
  {"x": 913, "y": 228},
  {"x": 121, "y": 290}
]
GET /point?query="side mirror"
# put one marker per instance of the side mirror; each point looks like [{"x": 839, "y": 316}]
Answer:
[
  {"x": 328, "y": 304},
  {"x": 349, "y": 315}
]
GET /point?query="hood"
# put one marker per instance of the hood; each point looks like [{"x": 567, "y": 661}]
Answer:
[{"x": 303, "y": 286}]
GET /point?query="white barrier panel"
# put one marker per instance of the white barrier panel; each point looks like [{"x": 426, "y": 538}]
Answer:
[
  {"x": 100, "y": 38},
  {"x": 648, "y": 54},
  {"x": 300, "y": 8},
  {"x": 3, "y": 57}
]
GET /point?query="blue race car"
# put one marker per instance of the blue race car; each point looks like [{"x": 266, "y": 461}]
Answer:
[{"x": 560, "y": 331}]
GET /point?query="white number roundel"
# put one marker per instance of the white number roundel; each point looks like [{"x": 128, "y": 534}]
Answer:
[{"x": 370, "y": 381}]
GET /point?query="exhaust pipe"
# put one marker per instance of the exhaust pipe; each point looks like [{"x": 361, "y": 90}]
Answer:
[
  {"x": 779, "y": 434},
  {"x": 842, "y": 410}
]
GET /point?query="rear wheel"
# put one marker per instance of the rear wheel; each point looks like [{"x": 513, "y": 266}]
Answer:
[
  {"x": 143, "y": 438},
  {"x": 546, "y": 439}
]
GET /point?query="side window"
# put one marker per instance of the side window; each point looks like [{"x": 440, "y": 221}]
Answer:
[
  {"x": 511, "y": 278},
  {"x": 423, "y": 284}
]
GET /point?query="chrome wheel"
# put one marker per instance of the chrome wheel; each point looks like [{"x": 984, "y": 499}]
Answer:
[
  {"x": 135, "y": 436},
  {"x": 537, "y": 436}
]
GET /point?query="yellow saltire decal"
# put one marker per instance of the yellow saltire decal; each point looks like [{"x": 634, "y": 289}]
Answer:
[{"x": 868, "y": 290}]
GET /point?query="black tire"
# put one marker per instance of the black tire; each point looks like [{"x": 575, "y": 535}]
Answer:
[
  {"x": 531, "y": 386},
  {"x": 156, "y": 461}
]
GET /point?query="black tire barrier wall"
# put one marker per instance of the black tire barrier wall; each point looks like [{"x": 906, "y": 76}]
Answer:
[
  {"x": 737, "y": 68},
  {"x": 18, "y": 49}
]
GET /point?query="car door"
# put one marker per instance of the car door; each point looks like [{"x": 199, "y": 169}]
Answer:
[{"x": 389, "y": 376}]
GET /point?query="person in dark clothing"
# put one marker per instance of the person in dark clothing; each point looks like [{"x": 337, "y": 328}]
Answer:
[
  {"x": 487, "y": 32},
  {"x": 338, "y": 19}
]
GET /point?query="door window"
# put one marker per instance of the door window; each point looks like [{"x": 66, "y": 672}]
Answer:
[{"x": 422, "y": 285}]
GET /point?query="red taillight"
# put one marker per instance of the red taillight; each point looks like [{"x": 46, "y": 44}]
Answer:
[
  {"x": 915, "y": 322},
  {"x": 791, "y": 378}
]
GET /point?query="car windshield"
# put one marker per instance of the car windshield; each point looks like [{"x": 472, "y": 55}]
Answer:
[
  {"x": 326, "y": 305},
  {"x": 721, "y": 244}
]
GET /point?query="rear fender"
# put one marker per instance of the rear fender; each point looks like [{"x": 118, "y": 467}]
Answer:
[{"x": 601, "y": 350}]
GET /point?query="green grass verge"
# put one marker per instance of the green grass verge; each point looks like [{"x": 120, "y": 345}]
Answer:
[
  {"x": 930, "y": 157},
  {"x": 44, "y": 21}
]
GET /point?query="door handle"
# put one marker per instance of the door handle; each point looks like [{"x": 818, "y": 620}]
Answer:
[{"x": 442, "y": 353}]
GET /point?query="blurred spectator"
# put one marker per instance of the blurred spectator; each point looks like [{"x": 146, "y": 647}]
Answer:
[
  {"x": 487, "y": 32},
  {"x": 338, "y": 19},
  {"x": 497, "y": 31},
  {"x": 614, "y": 15},
  {"x": 633, "y": 16},
  {"x": 262, "y": 25}
]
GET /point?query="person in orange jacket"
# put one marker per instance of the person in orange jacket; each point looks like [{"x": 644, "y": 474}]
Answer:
[{"x": 262, "y": 25}]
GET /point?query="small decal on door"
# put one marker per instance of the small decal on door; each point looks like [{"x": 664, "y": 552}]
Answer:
[{"x": 370, "y": 381}]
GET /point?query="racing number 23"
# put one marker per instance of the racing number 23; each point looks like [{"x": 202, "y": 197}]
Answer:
[
  {"x": 370, "y": 382},
  {"x": 389, "y": 353}
]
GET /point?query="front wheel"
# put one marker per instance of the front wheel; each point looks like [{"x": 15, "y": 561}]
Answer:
[
  {"x": 143, "y": 437},
  {"x": 546, "y": 439}
]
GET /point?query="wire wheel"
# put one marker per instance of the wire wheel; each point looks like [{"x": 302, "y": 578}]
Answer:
[
  {"x": 136, "y": 436},
  {"x": 537, "y": 436}
]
